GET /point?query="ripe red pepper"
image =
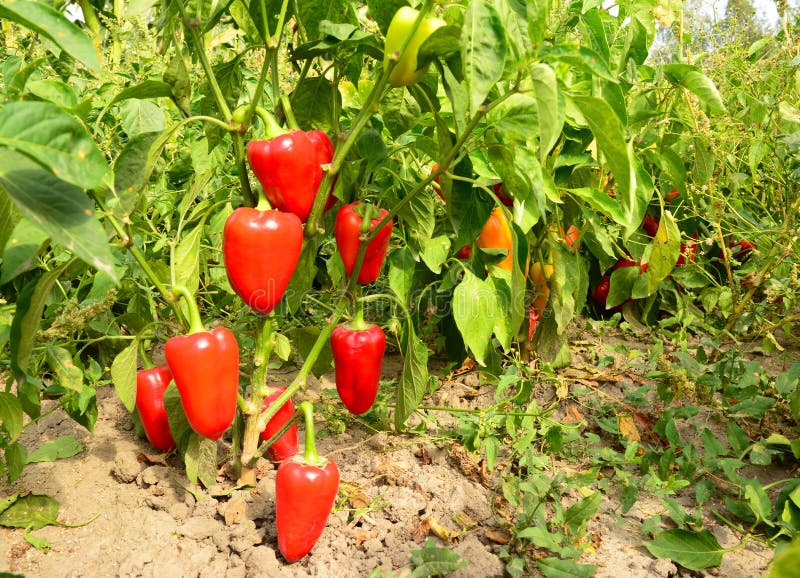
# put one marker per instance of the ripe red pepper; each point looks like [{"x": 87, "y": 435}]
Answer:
[
  {"x": 286, "y": 446},
  {"x": 150, "y": 387},
  {"x": 600, "y": 293},
  {"x": 673, "y": 194},
  {"x": 289, "y": 168},
  {"x": 305, "y": 491},
  {"x": 358, "y": 355},
  {"x": 261, "y": 250},
  {"x": 501, "y": 192},
  {"x": 347, "y": 231},
  {"x": 533, "y": 320},
  {"x": 650, "y": 225},
  {"x": 741, "y": 249},
  {"x": 205, "y": 366},
  {"x": 571, "y": 237},
  {"x": 464, "y": 252}
]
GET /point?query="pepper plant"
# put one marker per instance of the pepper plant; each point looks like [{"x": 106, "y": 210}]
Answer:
[{"x": 136, "y": 202}]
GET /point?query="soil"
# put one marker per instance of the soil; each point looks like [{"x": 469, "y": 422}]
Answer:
[{"x": 396, "y": 490}]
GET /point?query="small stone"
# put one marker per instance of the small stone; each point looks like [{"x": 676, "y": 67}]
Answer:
[
  {"x": 480, "y": 562},
  {"x": 244, "y": 536},
  {"x": 199, "y": 528},
  {"x": 154, "y": 474},
  {"x": 207, "y": 507},
  {"x": 372, "y": 547},
  {"x": 126, "y": 468},
  {"x": 662, "y": 568},
  {"x": 261, "y": 562},
  {"x": 156, "y": 503},
  {"x": 178, "y": 511}
]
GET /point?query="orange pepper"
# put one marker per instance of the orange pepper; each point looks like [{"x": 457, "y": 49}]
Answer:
[
  {"x": 496, "y": 234},
  {"x": 539, "y": 275}
]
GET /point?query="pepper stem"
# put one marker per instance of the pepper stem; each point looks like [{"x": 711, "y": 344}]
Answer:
[
  {"x": 263, "y": 203},
  {"x": 271, "y": 127},
  {"x": 147, "y": 363},
  {"x": 310, "y": 455},
  {"x": 195, "y": 321},
  {"x": 358, "y": 323}
]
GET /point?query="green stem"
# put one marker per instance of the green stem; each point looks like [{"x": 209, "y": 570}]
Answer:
[
  {"x": 358, "y": 323},
  {"x": 341, "y": 152},
  {"x": 291, "y": 121},
  {"x": 310, "y": 454},
  {"x": 204, "y": 62},
  {"x": 252, "y": 428},
  {"x": 195, "y": 321},
  {"x": 272, "y": 128},
  {"x": 265, "y": 445},
  {"x": 147, "y": 363},
  {"x": 137, "y": 254},
  {"x": 241, "y": 169}
]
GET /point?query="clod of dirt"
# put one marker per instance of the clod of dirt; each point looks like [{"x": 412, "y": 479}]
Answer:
[
  {"x": 198, "y": 528},
  {"x": 480, "y": 562},
  {"x": 126, "y": 468}
]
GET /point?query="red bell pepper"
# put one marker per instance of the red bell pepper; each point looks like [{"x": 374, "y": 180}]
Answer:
[
  {"x": 289, "y": 168},
  {"x": 600, "y": 293},
  {"x": 150, "y": 387},
  {"x": 688, "y": 252},
  {"x": 650, "y": 225},
  {"x": 286, "y": 446},
  {"x": 501, "y": 192},
  {"x": 205, "y": 366},
  {"x": 673, "y": 194},
  {"x": 305, "y": 491},
  {"x": 357, "y": 356},
  {"x": 261, "y": 250},
  {"x": 347, "y": 231}
]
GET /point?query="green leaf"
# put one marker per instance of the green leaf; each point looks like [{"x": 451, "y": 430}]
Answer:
[
  {"x": 8, "y": 220},
  {"x": 550, "y": 107},
  {"x": 432, "y": 560},
  {"x": 580, "y": 57},
  {"x": 434, "y": 252},
  {"x": 123, "y": 375},
  {"x": 475, "y": 309},
  {"x": 304, "y": 339},
  {"x": 283, "y": 347},
  {"x": 666, "y": 250},
  {"x": 303, "y": 276},
  {"x": 25, "y": 325},
  {"x": 400, "y": 112},
  {"x": 515, "y": 119},
  {"x": 54, "y": 139},
  {"x": 16, "y": 457},
  {"x": 556, "y": 568},
  {"x": 150, "y": 88},
  {"x": 81, "y": 406},
  {"x": 414, "y": 379},
  {"x": 693, "y": 550},
  {"x": 692, "y": 79},
  {"x": 187, "y": 261},
  {"x": 53, "y": 25},
  {"x": 581, "y": 512},
  {"x": 54, "y": 91},
  {"x": 311, "y": 13},
  {"x": 178, "y": 423},
  {"x": 22, "y": 248},
  {"x": 201, "y": 460},
  {"x": 60, "y": 209},
  {"x": 537, "y": 12},
  {"x": 313, "y": 101},
  {"x": 10, "y": 414},
  {"x": 610, "y": 136},
  {"x": 141, "y": 117},
  {"x": 57, "y": 449},
  {"x": 483, "y": 51},
  {"x": 37, "y": 542},
  {"x": 132, "y": 170},
  {"x": 600, "y": 202},
  {"x": 786, "y": 560},
  {"x": 401, "y": 272},
  {"x": 32, "y": 512},
  {"x": 382, "y": 11},
  {"x": 67, "y": 374}
]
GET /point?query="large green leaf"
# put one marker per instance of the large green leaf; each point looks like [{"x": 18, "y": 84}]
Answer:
[
  {"x": 557, "y": 568},
  {"x": 666, "y": 250},
  {"x": 610, "y": 136},
  {"x": 54, "y": 139},
  {"x": 10, "y": 414},
  {"x": 25, "y": 325},
  {"x": 414, "y": 379},
  {"x": 692, "y": 79},
  {"x": 58, "y": 208},
  {"x": 550, "y": 105},
  {"x": 132, "y": 170},
  {"x": 22, "y": 248},
  {"x": 57, "y": 449},
  {"x": 53, "y": 25},
  {"x": 475, "y": 310},
  {"x": 123, "y": 375},
  {"x": 483, "y": 50},
  {"x": 693, "y": 550},
  {"x": 312, "y": 12}
]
